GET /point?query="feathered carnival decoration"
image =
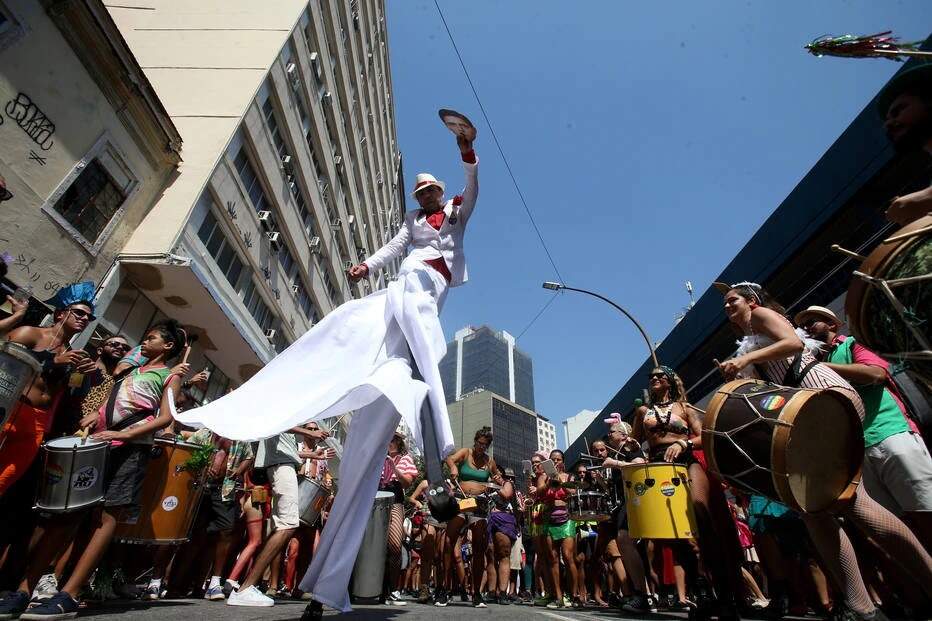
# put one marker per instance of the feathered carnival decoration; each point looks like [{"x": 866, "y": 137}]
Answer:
[
  {"x": 880, "y": 45},
  {"x": 72, "y": 294}
]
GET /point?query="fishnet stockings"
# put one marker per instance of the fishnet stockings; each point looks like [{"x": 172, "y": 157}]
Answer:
[{"x": 885, "y": 529}]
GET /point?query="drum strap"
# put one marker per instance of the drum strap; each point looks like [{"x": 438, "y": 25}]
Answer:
[
  {"x": 129, "y": 420},
  {"x": 796, "y": 373}
]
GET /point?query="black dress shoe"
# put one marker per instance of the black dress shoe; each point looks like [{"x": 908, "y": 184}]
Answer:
[{"x": 313, "y": 612}]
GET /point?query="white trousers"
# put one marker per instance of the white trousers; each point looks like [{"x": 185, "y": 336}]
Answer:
[{"x": 357, "y": 358}]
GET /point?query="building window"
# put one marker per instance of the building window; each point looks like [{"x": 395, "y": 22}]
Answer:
[
  {"x": 255, "y": 304},
  {"x": 329, "y": 286},
  {"x": 217, "y": 385},
  {"x": 306, "y": 304},
  {"x": 220, "y": 248},
  {"x": 91, "y": 201},
  {"x": 268, "y": 113},
  {"x": 288, "y": 264},
  {"x": 250, "y": 179}
]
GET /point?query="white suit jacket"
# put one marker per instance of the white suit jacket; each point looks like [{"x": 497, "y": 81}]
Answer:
[{"x": 427, "y": 242}]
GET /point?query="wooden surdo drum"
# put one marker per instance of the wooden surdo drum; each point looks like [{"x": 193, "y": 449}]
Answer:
[
  {"x": 798, "y": 446},
  {"x": 889, "y": 302}
]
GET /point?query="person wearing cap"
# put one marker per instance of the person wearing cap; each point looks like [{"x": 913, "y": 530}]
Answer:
[
  {"x": 377, "y": 356},
  {"x": 905, "y": 106},
  {"x": 897, "y": 469}
]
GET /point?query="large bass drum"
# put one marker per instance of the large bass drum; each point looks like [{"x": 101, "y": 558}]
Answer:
[
  {"x": 798, "y": 446},
  {"x": 889, "y": 302},
  {"x": 171, "y": 494}
]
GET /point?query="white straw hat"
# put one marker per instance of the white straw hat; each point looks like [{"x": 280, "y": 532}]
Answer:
[{"x": 424, "y": 180}]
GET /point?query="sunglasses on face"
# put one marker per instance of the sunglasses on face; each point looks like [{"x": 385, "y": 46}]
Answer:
[
  {"x": 657, "y": 376},
  {"x": 118, "y": 345},
  {"x": 80, "y": 313}
]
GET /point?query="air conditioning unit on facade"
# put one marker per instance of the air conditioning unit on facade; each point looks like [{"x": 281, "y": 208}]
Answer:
[
  {"x": 315, "y": 62},
  {"x": 287, "y": 166},
  {"x": 328, "y": 97},
  {"x": 352, "y": 222},
  {"x": 275, "y": 240},
  {"x": 292, "y": 71},
  {"x": 314, "y": 244},
  {"x": 265, "y": 219},
  {"x": 270, "y": 334},
  {"x": 347, "y": 264},
  {"x": 337, "y": 159},
  {"x": 295, "y": 289},
  {"x": 336, "y": 224}
]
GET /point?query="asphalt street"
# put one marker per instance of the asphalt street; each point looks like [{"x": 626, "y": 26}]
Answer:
[{"x": 198, "y": 609}]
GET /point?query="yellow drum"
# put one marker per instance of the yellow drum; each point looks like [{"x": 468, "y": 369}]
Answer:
[{"x": 657, "y": 501}]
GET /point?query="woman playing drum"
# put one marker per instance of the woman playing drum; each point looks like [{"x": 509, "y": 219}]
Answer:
[
  {"x": 472, "y": 469},
  {"x": 771, "y": 345},
  {"x": 673, "y": 430}
]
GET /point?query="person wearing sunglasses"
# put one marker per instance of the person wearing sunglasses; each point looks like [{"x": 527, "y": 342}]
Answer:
[
  {"x": 86, "y": 399},
  {"x": 28, "y": 424},
  {"x": 672, "y": 428}
]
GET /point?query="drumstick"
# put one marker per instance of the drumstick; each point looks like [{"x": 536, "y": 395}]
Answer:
[
  {"x": 187, "y": 350},
  {"x": 83, "y": 433}
]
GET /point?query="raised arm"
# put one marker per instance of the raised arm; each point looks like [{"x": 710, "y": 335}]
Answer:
[
  {"x": 471, "y": 166},
  {"x": 394, "y": 248}
]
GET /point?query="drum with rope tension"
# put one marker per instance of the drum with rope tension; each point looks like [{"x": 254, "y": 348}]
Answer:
[
  {"x": 798, "y": 446},
  {"x": 889, "y": 302}
]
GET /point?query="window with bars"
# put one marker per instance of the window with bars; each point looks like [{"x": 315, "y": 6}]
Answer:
[
  {"x": 250, "y": 179},
  {"x": 91, "y": 201},
  {"x": 220, "y": 248}
]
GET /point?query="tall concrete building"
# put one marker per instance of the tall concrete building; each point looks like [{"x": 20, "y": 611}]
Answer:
[
  {"x": 575, "y": 425},
  {"x": 546, "y": 435},
  {"x": 514, "y": 428},
  {"x": 483, "y": 359},
  {"x": 221, "y": 162}
]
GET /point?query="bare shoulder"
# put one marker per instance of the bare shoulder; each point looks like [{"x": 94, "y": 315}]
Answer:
[{"x": 25, "y": 335}]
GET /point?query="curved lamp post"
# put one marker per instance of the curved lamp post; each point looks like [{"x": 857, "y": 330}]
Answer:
[{"x": 556, "y": 286}]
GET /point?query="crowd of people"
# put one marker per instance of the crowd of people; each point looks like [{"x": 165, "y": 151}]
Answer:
[{"x": 515, "y": 537}]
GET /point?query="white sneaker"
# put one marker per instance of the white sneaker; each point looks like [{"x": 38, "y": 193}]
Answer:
[
  {"x": 47, "y": 587},
  {"x": 249, "y": 597},
  {"x": 395, "y": 599}
]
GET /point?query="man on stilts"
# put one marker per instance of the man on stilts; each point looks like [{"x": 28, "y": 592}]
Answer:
[{"x": 376, "y": 356}]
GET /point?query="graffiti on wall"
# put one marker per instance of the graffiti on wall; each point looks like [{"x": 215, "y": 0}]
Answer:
[{"x": 31, "y": 120}]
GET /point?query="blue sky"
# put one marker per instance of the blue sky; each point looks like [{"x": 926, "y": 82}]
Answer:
[{"x": 650, "y": 140}]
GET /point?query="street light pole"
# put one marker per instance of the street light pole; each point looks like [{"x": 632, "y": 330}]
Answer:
[{"x": 556, "y": 286}]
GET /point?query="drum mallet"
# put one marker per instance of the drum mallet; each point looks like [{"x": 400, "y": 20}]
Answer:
[{"x": 847, "y": 253}]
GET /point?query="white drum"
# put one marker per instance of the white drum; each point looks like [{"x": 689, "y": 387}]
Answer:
[{"x": 72, "y": 474}]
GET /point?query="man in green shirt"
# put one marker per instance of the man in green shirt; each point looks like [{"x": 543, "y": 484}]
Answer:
[{"x": 897, "y": 468}]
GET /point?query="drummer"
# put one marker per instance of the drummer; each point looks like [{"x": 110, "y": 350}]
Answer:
[
  {"x": 672, "y": 428},
  {"x": 773, "y": 347},
  {"x": 616, "y": 450},
  {"x": 897, "y": 469},
  {"x": 905, "y": 105},
  {"x": 471, "y": 469},
  {"x": 29, "y": 422},
  {"x": 560, "y": 541},
  {"x": 140, "y": 407}
]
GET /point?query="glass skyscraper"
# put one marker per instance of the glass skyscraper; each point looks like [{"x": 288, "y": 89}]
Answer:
[{"x": 483, "y": 359}]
